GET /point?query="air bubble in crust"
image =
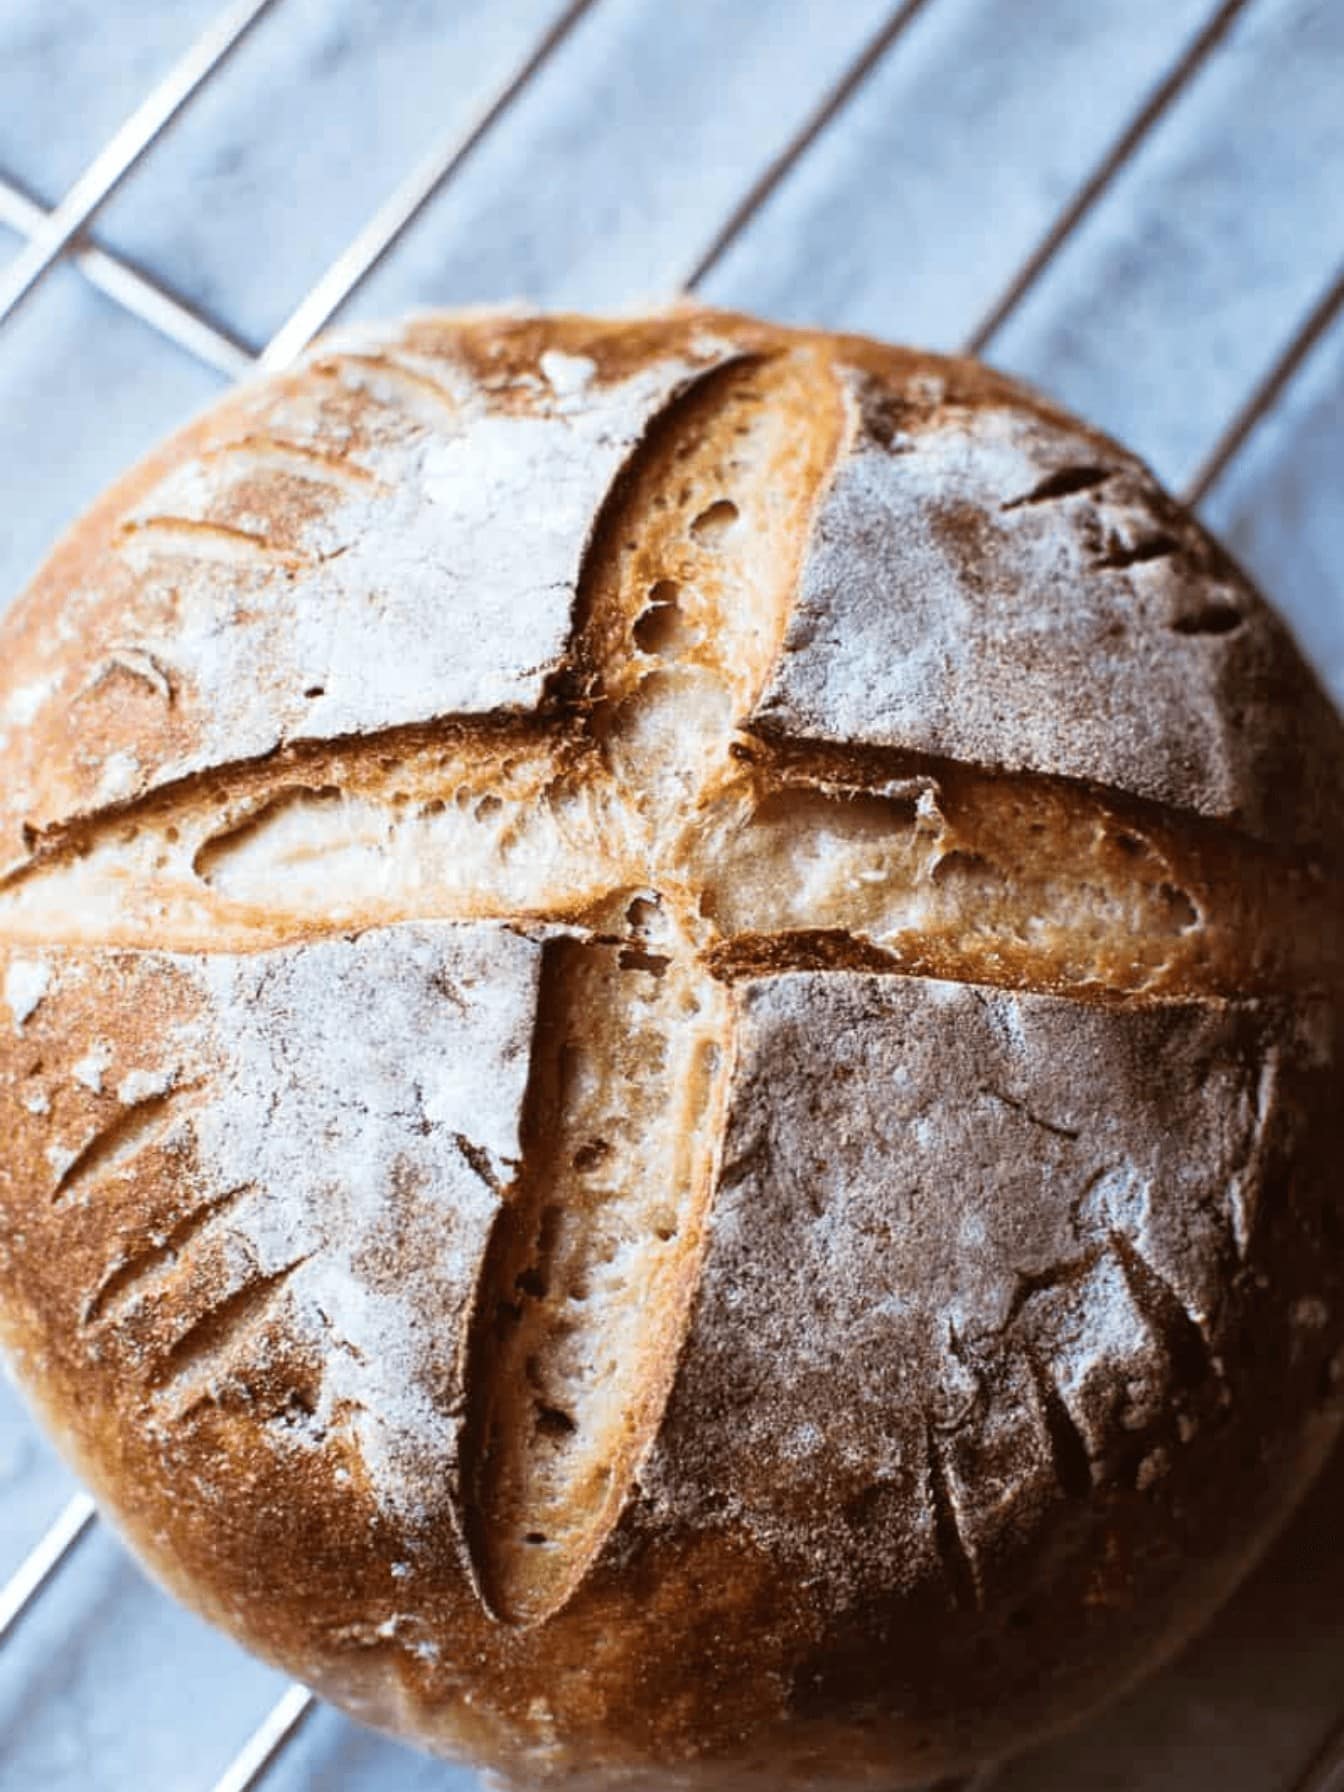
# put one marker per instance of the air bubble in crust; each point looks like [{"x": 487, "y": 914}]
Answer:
[
  {"x": 662, "y": 628},
  {"x": 714, "y": 522},
  {"x": 965, "y": 867}
]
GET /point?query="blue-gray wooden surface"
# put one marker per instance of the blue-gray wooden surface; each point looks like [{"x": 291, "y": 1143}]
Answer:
[{"x": 606, "y": 180}]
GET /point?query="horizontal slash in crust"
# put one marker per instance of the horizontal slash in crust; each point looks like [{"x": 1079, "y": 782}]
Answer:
[
  {"x": 412, "y": 383},
  {"x": 1061, "y": 484},
  {"x": 297, "y": 761},
  {"x": 910, "y": 785},
  {"x": 884, "y": 772},
  {"x": 323, "y": 468},
  {"x": 197, "y": 540},
  {"x": 750, "y": 957}
]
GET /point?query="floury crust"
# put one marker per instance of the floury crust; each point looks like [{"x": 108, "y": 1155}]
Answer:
[{"x": 671, "y": 1051}]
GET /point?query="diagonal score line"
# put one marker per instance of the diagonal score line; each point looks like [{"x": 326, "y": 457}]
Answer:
[
  {"x": 354, "y": 265},
  {"x": 832, "y": 103},
  {"x": 1318, "y": 321},
  {"x": 39, "y": 1567},
  {"x": 114, "y": 162},
  {"x": 276, "y": 1729},
  {"x": 1121, "y": 152},
  {"x": 134, "y": 291}
]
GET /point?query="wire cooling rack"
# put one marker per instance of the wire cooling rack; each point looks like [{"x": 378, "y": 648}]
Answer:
[{"x": 913, "y": 131}]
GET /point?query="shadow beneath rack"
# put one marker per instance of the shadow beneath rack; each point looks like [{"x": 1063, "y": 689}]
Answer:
[{"x": 1246, "y": 1705}]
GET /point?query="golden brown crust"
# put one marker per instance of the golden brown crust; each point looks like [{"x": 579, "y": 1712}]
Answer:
[
  {"x": 286, "y": 472},
  {"x": 716, "y": 1213}
]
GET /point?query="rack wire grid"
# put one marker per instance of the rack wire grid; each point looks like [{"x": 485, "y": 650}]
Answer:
[{"x": 1137, "y": 204}]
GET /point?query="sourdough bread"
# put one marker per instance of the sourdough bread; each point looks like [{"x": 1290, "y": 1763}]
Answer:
[{"x": 670, "y": 1065}]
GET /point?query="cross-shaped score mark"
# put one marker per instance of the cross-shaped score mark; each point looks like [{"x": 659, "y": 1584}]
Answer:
[{"x": 672, "y": 847}]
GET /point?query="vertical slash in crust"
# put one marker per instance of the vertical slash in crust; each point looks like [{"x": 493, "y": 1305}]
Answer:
[{"x": 588, "y": 1279}]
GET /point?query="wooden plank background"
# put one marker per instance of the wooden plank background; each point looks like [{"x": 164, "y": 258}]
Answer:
[{"x": 908, "y": 217}]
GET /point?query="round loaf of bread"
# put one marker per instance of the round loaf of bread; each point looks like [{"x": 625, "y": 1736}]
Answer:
[{"x": 670, "y": 1068}]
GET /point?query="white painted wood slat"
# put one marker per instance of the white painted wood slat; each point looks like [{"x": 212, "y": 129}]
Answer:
[{"x": 907, "y": 211}]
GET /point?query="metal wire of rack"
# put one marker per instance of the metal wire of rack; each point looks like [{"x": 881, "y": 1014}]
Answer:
[{"x": 65, "y": 233}]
